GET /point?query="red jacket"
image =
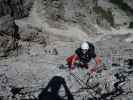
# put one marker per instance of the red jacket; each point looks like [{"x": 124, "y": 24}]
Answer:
[{"x": 71, "y": 60}]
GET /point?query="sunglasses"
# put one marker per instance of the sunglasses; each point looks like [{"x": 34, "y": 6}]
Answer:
[{"x": 84, "y": 50}]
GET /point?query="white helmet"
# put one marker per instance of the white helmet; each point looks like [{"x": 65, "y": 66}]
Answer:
[{"x": 84, "y": 46}]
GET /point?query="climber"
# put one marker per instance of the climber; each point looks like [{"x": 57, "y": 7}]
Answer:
[{"x": 83, "y": 55}]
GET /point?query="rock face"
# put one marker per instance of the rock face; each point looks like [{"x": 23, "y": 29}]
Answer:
[
  {"x": 9, "y": 11},
  {"x": 6, "y": 24},
  {"x": 86, "y": 14},
  {"x": 8, "y": 34},
  {"x": 81, "y": 12},
  {"x": 4, "y": 8},
  {"x": 125, "y": 5},
  {"x": 129, "y": 3},
  {"x": 16, "y": 8},
  {"x": 31, "y": 72},
  {"x": 32, "y": 34}
]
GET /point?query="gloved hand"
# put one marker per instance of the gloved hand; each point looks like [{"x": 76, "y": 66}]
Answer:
[{"x": 72, "y": 67}]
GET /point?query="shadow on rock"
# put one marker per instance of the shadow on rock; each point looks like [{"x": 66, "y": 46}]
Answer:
[{"x": 51, "y": 91}]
